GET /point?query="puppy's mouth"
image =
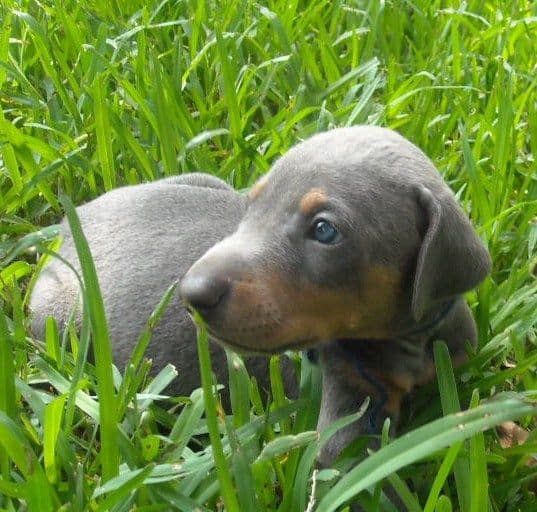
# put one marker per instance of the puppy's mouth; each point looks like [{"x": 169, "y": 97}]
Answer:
[
  {"x": 249, "y": 350},
  {"x": 267, "y": 345}
]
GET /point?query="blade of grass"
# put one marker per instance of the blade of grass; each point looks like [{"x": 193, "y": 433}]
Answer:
[
  {"x": 479, "y": 483},
  {"x": 420, "y": 443},
  {"x": 7, "y": 383},
  {"x": 51, "y": 429},
  {"x": 239, "y": 381},
  {"x": 230, "y": 93},
  {"x": 441, "y": 477},
  {"x": 109, "y": 456},
  {"x": 103, "y": 132},
  {"x": 449, "y": 398},
  {"x": 224, "y": 476}
]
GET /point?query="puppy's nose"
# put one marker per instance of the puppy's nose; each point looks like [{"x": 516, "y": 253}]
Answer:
[{"x": 203, "y": 292}]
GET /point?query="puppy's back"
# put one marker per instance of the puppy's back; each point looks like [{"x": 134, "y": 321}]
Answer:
[{"x": 142, "y": 239}]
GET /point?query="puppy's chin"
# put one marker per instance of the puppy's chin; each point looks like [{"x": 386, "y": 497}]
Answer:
[
  {"x": 250, "y": 350},
  {"x": 238, "y": 349}
]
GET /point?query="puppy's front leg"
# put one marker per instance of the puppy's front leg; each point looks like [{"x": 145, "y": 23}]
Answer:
[{"x": 352, "y": 371}]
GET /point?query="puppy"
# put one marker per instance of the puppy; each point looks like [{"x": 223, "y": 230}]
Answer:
[{"x": 352, "y": 244}]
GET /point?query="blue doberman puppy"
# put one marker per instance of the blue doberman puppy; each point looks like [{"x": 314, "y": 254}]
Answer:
[{"x": 352, "y": 244}]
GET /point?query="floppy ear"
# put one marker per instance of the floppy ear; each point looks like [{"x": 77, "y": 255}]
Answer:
[{"x": 452, "y": 259}]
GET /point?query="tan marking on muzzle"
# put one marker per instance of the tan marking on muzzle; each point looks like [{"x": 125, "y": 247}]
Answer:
[
  {"x": 258, "y": 187},
  {"x": 267, "y": 313},
  {"x": 313, "y": 200}
]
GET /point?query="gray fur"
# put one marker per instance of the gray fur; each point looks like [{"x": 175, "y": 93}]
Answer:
[
  {"x": 395, "y": 211},
  {"x": 142, "y": 239}
]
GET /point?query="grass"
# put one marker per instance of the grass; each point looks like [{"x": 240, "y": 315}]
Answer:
[{"x": 97, "y": 94}]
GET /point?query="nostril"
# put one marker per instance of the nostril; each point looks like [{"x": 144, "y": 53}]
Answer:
[{"x": 203, "y": 292}]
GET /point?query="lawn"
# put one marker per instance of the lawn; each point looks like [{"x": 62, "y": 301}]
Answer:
[{"x": 97, "y": 95}]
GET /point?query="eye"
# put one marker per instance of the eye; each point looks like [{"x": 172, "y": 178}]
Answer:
[{"x": 325, "y": 232}]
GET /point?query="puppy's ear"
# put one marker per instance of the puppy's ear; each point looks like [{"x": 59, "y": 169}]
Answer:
[{"x": 452, "y": 259}]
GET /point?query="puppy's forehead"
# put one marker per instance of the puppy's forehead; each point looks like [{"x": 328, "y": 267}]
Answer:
[
  {"x": 350, "y": 162},
  {"x": 347, "y": 148},
  {"x": 334, "y": 160},
  {"x": 300, "y": 181}
]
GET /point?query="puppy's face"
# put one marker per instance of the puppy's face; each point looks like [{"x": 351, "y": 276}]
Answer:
[
  {"x": 327, "y": 248},
  {"x": 311, "y": 260}
]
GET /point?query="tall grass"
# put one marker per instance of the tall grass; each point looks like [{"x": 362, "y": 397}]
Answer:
[{"x": 98, "y": 94}]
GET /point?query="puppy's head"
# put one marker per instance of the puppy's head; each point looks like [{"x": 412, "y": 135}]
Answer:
[{"x": 352, "y": 234}]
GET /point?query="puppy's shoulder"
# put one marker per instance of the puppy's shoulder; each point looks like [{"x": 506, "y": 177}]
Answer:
[
  {"x": 169, "y": 197},
  {"x": 196, "y": 179}
]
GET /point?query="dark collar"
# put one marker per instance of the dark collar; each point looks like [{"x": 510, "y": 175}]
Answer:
[{"x": 429, "y": 326}]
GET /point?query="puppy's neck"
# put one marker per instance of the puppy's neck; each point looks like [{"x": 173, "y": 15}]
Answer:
[
  {"x": 428, "y": 326},
  {"x": 411, "y": 339}
]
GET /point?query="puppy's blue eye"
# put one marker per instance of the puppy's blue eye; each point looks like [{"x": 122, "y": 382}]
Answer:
[{"x": 325, "y": 232}]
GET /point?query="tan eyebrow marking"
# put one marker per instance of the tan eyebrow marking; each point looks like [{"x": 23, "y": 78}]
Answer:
[
  {"x": 313, "y": 199},
  {"x": 258, "y": 187}
]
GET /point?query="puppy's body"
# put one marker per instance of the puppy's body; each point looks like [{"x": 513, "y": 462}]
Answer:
[
  {"x": 143, "y": 238},
  {"x": 352, "y": 244}
]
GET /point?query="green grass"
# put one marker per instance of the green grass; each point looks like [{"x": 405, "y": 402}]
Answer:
[{"x": 98, "y": 94}]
